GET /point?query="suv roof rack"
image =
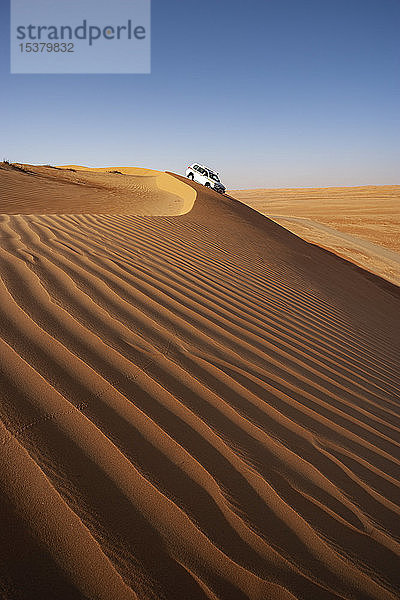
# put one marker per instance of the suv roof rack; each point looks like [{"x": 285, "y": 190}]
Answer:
[{"x": 210, "y": 169}]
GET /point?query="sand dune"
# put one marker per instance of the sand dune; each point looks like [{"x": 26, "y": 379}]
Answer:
[
  {"x": 361, "y": 224},
  {"x": 195, "y": 405},
  {"x": 75, "y": 189}
]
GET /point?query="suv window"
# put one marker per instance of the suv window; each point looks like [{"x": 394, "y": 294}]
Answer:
[
  {"x": 201, "y": 171},
  {"x": 214, "y": 176},
  {"x": 196, "y": 167}
]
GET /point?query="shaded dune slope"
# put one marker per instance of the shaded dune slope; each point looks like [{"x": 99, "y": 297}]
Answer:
[{"x": 195, "y": 406}]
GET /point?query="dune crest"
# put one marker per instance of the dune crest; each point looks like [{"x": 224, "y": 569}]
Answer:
[
  {"x": 75, "y": 189},
  {"x": 196, "y": 405}
]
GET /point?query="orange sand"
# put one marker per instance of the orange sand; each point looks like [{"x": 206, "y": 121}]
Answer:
[{"x": 195, "y": 403}]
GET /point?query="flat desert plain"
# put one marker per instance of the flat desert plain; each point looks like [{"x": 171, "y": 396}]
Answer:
[
  {"x": 195, "y": 403},
  {"x": 361, "y": 224}
]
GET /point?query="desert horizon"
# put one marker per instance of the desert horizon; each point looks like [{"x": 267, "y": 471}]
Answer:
[{"x": 200, "y": 391}]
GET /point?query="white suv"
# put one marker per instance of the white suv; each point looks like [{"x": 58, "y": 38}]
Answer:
[{"x": 205, "y": 176}]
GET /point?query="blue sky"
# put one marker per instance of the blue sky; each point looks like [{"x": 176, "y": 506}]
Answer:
[{"x": 272, "y": 93}]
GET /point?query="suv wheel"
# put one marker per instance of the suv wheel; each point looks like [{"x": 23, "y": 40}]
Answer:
[
  {"x": 207, "y": 184},
  {"x": 191, "y": 176}
]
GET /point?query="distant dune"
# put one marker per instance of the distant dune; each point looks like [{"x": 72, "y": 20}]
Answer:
[
  {"x": 362, "y": 224},
  {"x": 75, "y": 189},
  {"x": 195, "y": 403}
]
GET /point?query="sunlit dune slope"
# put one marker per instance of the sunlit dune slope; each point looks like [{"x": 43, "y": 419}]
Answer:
[
  {"x": 194, "y": 406},
  {"x": 74, "y": 189},
  {"x": 136, "y": 171}
]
